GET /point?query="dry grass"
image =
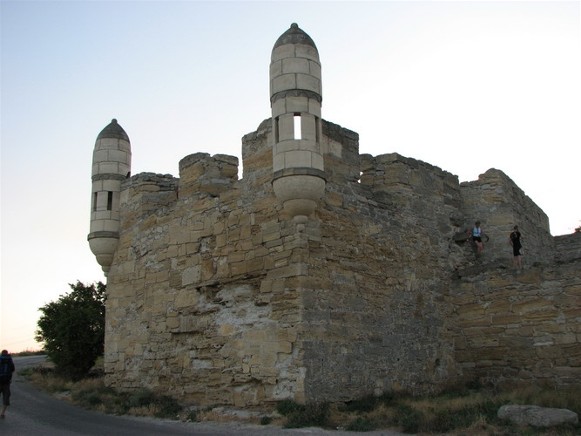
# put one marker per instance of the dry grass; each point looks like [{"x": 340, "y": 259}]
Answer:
[
  {"x": 46, "y": 380},
  {"x": 91, "y": 393},
  {"x": 462, "y": 413}
]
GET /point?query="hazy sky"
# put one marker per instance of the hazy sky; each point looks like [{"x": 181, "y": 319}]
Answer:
[{"x": 465, "y": 86}]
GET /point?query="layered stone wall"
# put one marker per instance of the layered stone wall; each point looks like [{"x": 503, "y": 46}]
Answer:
[
  {"x": 500, "y": 204},
  {"x": 568, "y": 247},
  {"x": 199, "y": 306},
  {"x": 216, "y": 297},
  {"x": 519, "y": 328},
  {"x": 371, "y": 306}
]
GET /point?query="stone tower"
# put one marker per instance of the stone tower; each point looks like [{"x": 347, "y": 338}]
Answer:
[
  {"x": 111, "y": 165},
  {"x": 295, "y": 98}
]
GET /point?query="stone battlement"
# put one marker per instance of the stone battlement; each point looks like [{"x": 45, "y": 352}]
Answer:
[
  {"x": 210, "y": 174},
  {"x": 215, "y": 298}
]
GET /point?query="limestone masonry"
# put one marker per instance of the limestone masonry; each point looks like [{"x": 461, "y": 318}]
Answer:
[{"x": 323, "y": 274}]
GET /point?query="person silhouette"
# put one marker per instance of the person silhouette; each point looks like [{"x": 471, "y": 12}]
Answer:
[{"x": 6, "y": 370}]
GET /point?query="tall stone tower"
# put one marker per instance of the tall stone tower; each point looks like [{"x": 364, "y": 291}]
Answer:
[
  {"x": 111, "y": 165},
  {"x": 295, "y": 98}
]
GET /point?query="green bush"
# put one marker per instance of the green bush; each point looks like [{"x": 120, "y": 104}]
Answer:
[{"x": 73, "y": 329}]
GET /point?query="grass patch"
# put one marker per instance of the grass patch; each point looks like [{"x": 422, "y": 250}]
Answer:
[
  {"x": 91, "y": 393},
  {"x": 361, "y": 424},
  {"x": 464, "y": 412},
  {"x": 47, "y": 379},
  {"x": 458, "y": 411}
]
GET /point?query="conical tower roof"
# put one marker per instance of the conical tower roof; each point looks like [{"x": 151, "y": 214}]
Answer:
[
  {"x": 113, "y": 130},
  {"x": 294, "y": 35}
]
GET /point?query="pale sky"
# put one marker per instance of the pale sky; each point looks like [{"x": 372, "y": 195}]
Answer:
[{"x": 465, "y": 86}]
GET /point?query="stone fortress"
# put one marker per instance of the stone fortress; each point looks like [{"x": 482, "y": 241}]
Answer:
[{"x": 323, "y": 274}]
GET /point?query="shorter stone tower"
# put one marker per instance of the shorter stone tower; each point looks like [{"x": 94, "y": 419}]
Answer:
[
  {"x": 295, "y": 98},
  {"x": 111, "y": 165}
]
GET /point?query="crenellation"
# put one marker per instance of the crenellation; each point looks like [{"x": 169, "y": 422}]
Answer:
[{"x": 203, "y": 173}]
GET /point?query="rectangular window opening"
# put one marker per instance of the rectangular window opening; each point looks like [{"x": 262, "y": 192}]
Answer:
[
  {"x": 276, "y": 121},
  {"x": 94, "y": 201},
  {"x": 297, "y": 127},
  {"x": 109, "y": 200}
]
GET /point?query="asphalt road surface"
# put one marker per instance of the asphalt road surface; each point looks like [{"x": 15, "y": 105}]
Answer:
[{"x": 33, "y": 412}]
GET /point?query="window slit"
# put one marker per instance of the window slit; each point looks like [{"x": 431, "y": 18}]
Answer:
[
  {"x": 297, "y": 126},
  {"x": 317, "y": 127}
]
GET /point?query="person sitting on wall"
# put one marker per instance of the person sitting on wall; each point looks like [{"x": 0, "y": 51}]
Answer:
[
  {"x": 514, "y": 240},
  {"x": 477, "y": 234}
]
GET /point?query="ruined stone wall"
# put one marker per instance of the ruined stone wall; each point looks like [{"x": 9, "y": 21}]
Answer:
[
  {"x": 216, "y": 297},
  {"x": 500, "y": 204},
  {"x": 522, "y": 327},
  {"x": 568, "y": 247},
  {"x": 198, "y": 301},
  {"x": 374, "y": 313}
]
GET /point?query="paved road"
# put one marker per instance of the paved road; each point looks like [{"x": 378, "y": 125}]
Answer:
[{"x": 33, "y": 412}]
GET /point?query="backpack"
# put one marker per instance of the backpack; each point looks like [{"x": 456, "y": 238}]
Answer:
[{"x": 6, "y": 368}]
